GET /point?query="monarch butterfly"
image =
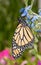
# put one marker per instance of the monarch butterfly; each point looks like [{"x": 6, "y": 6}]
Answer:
[{"x": 22, "y": 39}]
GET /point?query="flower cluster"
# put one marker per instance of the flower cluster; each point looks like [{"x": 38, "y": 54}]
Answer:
[
  {"x": 39, "y": 62},
  {"x": 5, "y": 54},
  {"x": 31, "y": 19},
  {"x": 25, "y": 12}
]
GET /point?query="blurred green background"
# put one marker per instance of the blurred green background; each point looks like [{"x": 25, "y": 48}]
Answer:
[{"x": 9, "y": 12}]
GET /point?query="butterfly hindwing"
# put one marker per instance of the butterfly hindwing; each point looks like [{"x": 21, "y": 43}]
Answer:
[{"x": 17, "y": 51}]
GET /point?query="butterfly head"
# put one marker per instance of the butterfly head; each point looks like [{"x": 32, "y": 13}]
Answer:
[{"x": 21, "y": 20}]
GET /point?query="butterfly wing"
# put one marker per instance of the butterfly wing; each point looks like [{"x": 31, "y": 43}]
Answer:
[
  {"x": 22, "y": 39},
  {"x": 16, "y": 50},
  {"x": 23, "y": 36}
]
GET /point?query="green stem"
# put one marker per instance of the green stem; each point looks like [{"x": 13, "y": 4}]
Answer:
[
  {"x": 26, "y": 2},
  {"x": 32, "y": 3}
]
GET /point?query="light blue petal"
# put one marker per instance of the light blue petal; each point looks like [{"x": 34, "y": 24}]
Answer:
[
  {"x": 28, "y": 16},
  {"x": 40, "y": 13},
  {"x": 34, "y": 18},
  {"x": 27, "y": 8},
  {"x": 24, "y": 14}
]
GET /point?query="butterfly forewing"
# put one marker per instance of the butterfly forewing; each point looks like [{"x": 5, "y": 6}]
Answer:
[{"x": 23, "y": 35}]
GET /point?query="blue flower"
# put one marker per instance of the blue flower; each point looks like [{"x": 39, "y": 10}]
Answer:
[
  {"x": 22, "y": 10},
  {"x": 39, "y": 12},
  {"x": 34, "y": 18}
]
